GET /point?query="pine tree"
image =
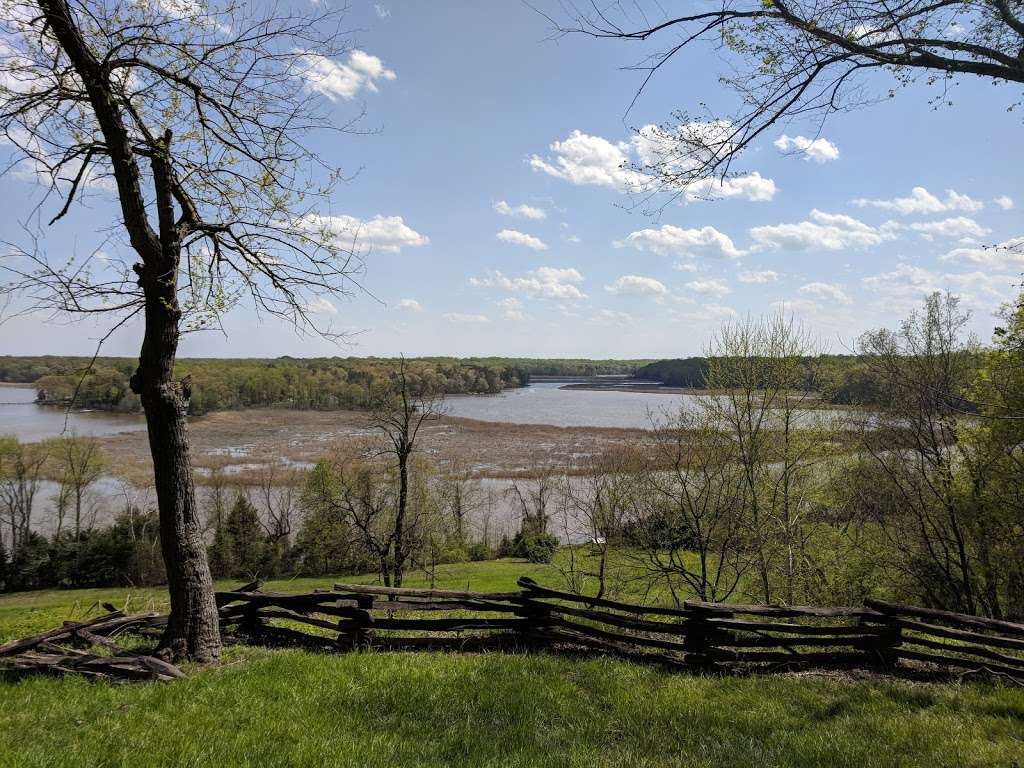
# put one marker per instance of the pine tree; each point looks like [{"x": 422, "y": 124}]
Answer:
[{"x": 246, "y": 540}]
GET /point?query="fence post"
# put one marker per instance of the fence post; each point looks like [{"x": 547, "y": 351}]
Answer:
[
  {"x": 698, "y": 642},
  {"x": 536, "y": 616},
  {"x": 361, "y": 636},
  {"x": 882, "y": 651}
]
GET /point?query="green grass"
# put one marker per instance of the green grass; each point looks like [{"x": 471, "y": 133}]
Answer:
[{"x": 291, "y": 708}]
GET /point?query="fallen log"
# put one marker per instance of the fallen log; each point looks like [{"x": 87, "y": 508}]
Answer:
[{"x": 27, "y": 643}]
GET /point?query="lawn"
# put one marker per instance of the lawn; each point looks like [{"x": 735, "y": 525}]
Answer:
[{"x": 291, "y": 708}]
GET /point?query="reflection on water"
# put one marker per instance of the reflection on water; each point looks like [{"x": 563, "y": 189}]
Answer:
[
  {"x": 20, "y": 416},
  {"x": 550, "y": 404}
]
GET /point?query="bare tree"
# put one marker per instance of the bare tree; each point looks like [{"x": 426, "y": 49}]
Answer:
[
  {"x": 926, "y": 483},
  {"x": 399, "y": 410},
  {"x": 194, "y": 115},
  {"x": 80, "y": 464},
  {"x": 761, "y": 372},
  {"x": 799, "y": 59},
  {"x": 690, "y": 528},
  {"x": 21, "y": 474},
  {"x": 278, "y": 494}
]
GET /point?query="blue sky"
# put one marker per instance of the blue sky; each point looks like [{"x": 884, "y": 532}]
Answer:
[{"x": 496, "y": 223}]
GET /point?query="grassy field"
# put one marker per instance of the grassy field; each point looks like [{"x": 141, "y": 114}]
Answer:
[{"x": 290, "y": 708}]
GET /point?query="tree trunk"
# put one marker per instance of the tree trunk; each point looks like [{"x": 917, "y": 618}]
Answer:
[{"x": 193, "y": 631}]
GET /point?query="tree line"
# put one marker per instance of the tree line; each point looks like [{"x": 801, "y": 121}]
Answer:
[{"x": 314, "y": 384}]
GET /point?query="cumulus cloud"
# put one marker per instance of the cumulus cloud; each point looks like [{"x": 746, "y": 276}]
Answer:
[
  {"x": 511, "y": 308},
  {"x": 905, "y": 286},
  {"x": 758, "y": 277},
  {"x": 519, "y": 211},
  {"x": 823, "y": 231},
  {"x": 584, "y": 159},
  {"x": 516, "y": 237},
  {"x": 956, "y": 226},
  {"x": 923, "y": 201},
  {"x": 668, "y": 240},
  {"x": 381, "y": 233},
  {"x": 820, "y": 150},
  {"x": 409, "y": 305},
  {"x": 637, "y": 285},
  {"x": 543, "y": 282},
  {"x": 827, "y": 291},
  {"x": 1005, "y": 202},
  {"x": 461, "y": 317},
  {"x": 335, "y": 80},
  {"x": 710, "y": 287},
  {"x": 321, "y": 306},
  {"x": 1008, "y": 255}
]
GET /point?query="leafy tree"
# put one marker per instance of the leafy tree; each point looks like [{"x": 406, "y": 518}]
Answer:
[
  {"x": 791, "y": 59},
  {"x": 197, "y": 119}
]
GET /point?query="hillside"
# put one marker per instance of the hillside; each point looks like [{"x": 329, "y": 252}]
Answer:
[{"x": 284, "y": 707}]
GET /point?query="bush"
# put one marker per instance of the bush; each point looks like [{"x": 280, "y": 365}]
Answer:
[
  {"x": 535, "y": 547},
  {"x": 480, "y": 552}
]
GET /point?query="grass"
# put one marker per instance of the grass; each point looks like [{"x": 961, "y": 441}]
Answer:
[{"x": 291, "y": 708}]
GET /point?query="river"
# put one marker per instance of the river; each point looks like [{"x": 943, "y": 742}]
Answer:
[
  {"x": 551, "y": 404},
  {"x": 21, "y": 417}
]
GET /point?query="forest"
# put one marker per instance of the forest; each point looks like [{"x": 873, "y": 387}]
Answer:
[{"x": 315, "y": 384}]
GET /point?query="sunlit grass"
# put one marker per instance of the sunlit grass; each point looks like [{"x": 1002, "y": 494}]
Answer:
[{"x": 264, "y": 707}]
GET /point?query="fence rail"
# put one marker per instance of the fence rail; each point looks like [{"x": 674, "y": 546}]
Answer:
[{"x": 701, "y": 635}]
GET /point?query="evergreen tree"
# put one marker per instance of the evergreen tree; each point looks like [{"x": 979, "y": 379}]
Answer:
[{"x": 247, "y": 542}]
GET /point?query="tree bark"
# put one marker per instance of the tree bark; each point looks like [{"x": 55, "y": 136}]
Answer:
[{"x": 192, "y": 631}]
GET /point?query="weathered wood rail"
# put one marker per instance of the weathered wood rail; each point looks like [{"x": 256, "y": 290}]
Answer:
[{"x": 699, "y": 635}]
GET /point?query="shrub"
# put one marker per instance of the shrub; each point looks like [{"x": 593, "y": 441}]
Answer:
[
  {"x": 535, "y": 547},
  {"x": 480, "y": 552}
]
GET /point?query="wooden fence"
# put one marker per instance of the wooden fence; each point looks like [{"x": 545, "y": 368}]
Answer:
[{"x": 699, "y": 635}]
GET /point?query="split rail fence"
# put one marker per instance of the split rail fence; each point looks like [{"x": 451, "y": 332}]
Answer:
[{"x": 699, "y": 635}]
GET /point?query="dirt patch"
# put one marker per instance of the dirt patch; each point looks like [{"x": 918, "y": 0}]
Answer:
[{"x": 240, "y": 440}]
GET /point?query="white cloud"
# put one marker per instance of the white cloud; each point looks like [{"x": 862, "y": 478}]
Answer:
[
  {"x": 381, "y": 233},
  {"x": 751, "y": 186},
  {"x": 825, "y": 231},
  {"x": 819, "y": 150},
  {"x": 409, "y": 305},
  {"x": 923, "y": 201},
  {"x": 827, "y": 291},
  {"x": 957, "y": 226},
  {"x": 585, "y": 159},
  {"x": 543, "y": 282},
  {"x": 516, "y": 237},
  {"x": 519, "y": 211},
  {"x": 592, "y": 160},
  {"x": 668, "y": 240},
  {"x": 637, "y": 285},
  {"x": 461, "y": 317},
  {"x": 336, "y": 81},
  {"x": 906, "y": 285},
  {"x": 758, "y": 277},
  {"x": 321, "y": 306},
  {"x": 511, "y": 308},
  {"x": 710, "y": 287},
  {"x": 1005, "y": 202},
  {"x": 1008, "y": 255}
]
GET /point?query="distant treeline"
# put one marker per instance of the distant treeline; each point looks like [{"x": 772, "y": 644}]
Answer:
[
  {"x": 316, "y": 384},
  {"x": 841, "y": 379}
]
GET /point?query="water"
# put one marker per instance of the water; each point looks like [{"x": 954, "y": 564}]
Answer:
[
  {"x": 550, "y": 404},
  {"x": 20, "y": 416}
]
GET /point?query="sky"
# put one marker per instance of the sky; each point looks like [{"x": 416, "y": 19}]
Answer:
[{"x": 490, "y": 198}]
